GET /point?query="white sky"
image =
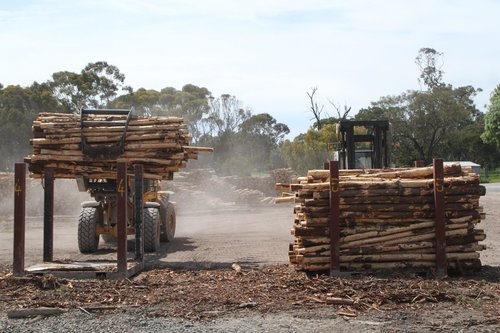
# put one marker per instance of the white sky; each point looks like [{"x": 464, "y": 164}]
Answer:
[{"x": 266, "y": 53}]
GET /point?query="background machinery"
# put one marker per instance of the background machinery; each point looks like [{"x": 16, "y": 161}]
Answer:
[{"x": 362, "y": 144}]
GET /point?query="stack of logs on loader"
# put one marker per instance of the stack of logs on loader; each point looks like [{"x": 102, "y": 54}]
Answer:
[
  {"x": 386, "y": 219},
  {"x": 161, "y": 144}
]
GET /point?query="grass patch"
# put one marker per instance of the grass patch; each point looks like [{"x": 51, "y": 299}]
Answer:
[{"x": 493, "y": 176}]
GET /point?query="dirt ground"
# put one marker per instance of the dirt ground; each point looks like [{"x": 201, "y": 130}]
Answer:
[
  {"x": 197, "y": 266},
  {"x": 214, "y": 237},
  {"x": 491, "y": 204},
  {"x": 249, "y": 236}
]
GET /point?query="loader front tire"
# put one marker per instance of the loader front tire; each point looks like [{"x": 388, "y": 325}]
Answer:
[
  {"x": 88, "y": 239},
  {"x": 151, "y": 229},
  {"x": 168, "y": 222}
]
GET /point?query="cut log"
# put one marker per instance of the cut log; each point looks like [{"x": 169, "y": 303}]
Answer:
[{"x": 33, "y": 312}]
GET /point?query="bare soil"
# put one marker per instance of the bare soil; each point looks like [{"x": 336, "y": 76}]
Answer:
[{"x": 191, "y": 278}]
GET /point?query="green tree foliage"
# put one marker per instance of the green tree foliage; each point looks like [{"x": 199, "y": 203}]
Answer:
[
  {"x": 191, "y": 103},
  {"x": 263, "y": 136},
  {"x": 491, "y": 134},
  {"x": 226, "y": 114},
  {"x": 264, "y": 125},
  {"x": 427, "y": 61},
  {"x": 468, "y": 146},
  {"x": 426, "y": 124},
  {"x": 18, "y": 108},
  {"x": 95, "y": 86},
  {"x": 243, "y": 142},
  {"x": 252, "y": 147},
  {"x": 144, "y": 101},
  {"x": 309, "y": 150}
]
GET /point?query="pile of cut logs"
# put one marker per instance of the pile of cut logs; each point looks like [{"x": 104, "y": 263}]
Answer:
[
  {"x": 161, "y": 144},
  {"x": 386, "y": 219}
]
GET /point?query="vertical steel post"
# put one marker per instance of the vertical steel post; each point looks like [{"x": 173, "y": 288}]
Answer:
[
  {"x": 440, "y": 228},
  {"x": 386, "y": 143},
  {"x": 139, "y": 211},
  {"x": 377, "y": 162},
  {"x": 48, "y": 215},
  {"x": 351, "y": 148},
  {"x": 121, "y": 216},
  {"x": 334, "y": 218},
  {"x": 343, "y": 151},
  {"x": 19, "y": 217}
]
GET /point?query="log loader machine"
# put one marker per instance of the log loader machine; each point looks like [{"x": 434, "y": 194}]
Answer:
[
  {"x": 98, "y": 218},
  {"x": 362, "y": 151}
]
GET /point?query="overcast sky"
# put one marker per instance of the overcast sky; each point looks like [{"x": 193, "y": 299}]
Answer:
[{"x": 266, "y": 53}]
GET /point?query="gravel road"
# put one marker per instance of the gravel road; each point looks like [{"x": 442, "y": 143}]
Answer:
[{"x": 139, "y": 321}]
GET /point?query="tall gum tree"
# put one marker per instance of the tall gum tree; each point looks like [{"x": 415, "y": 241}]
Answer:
[
  {"x": 95, "y": 86},
  {"x": 425, "y": 122}
]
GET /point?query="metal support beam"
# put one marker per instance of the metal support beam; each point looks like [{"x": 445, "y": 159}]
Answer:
[
  {"x": 441, "y": 261},
  {"x": 386, "y": 142},
  {"x": 48, "y": 215},
  {"x": 139, "y": 211},
  {"x": 343, "y": 158},
  {"x": 19, "y": 217},
  {"x": 121, "y": 215},
  {"x": 377, "y": 162},
  {"x": 334, "y": 218},
  {"x": 351, "y": 148}
]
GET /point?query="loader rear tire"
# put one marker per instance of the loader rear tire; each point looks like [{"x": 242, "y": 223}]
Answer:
[
  {"x": 151, "y": 229},
  {"x": 168, "y": 222},
  {"x": 88, "y": 239}
]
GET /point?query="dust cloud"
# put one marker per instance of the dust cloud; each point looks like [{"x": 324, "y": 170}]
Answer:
[
  {"x": 67, "y": 198},
  {"x": 199, "y": 192}
]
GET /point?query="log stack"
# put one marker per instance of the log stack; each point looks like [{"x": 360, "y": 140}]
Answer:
[
  {"x": 161, "y": 144},
  {"x": 386, "y": 219}
]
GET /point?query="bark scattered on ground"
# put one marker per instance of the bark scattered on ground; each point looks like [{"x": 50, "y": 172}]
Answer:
[{"x": 209, "y": 293}]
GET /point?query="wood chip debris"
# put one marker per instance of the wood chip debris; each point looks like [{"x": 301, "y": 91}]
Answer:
[{"x": 201, "y": 294}]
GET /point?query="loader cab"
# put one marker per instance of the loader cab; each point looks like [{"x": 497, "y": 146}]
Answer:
[{"x": 363, "y": 144}]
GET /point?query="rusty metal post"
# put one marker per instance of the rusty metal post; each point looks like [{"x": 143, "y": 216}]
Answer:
[
  {"x": 48, "y": 215},
  {"x": 19, "y": 217},
  {"x": 139, "y": 211},
  {"x": 121, "y": 216},
  {"x": 440, "y": 228},
  {"x": 419, "y": 164},
  {"x": 334, "y": 218}
]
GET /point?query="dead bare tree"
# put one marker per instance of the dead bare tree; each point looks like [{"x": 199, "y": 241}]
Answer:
[
  {"x": 344, "y": 114},
  {"x": 315, "y": 108}
]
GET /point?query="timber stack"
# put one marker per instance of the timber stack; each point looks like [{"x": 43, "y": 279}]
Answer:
[
  {"x": 386, "y": 219},
  {"x": 161, "y": 144}
]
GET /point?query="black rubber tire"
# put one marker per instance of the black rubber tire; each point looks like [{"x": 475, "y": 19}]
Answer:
[
  {"x": 88, "y": 239},
  {"x": 151, "y": 229},
  {"x": 168, "y": 222}
]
